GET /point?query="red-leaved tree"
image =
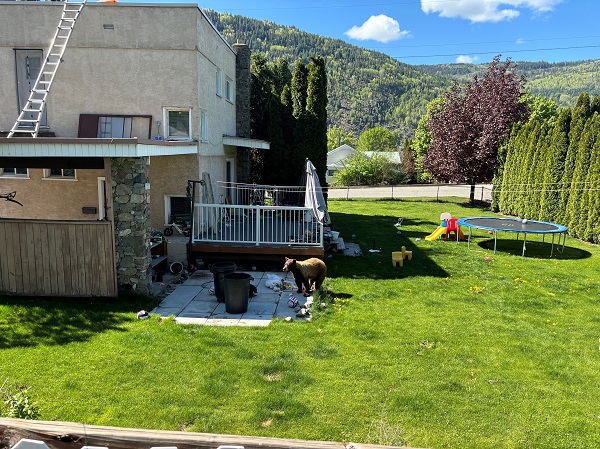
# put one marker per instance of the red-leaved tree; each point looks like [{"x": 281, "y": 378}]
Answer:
[{"x": 467, "y": 128}]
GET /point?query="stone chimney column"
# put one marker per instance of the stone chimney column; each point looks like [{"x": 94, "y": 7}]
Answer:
[{"x": 242, "y": 107}]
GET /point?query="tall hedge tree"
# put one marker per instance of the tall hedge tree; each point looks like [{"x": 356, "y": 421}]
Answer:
[
  {"x": 466, "y": 130},
  {"x": 316, "y": 107},
  {"x": 559, "y": 143},
  {"x": 581, "y": 112}
]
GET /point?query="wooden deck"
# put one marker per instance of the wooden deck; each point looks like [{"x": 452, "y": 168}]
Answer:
[{"x": 214, "y": 252}]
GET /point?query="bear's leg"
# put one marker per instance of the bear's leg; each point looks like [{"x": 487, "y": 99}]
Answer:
[{"x": 299, "y": 281}]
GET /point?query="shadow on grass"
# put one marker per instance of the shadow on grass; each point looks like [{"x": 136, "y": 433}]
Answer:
[
  {"x": 377, "y": 238},
  {"x": 533, "y": 249},
  {"x": 26, "y": 321}
]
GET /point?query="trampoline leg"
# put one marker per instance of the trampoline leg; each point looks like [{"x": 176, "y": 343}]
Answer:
[
  {"x": 495, "y": 233},
  {"x": 524, "y": 240},
  {"x": 552, "y": 247}
]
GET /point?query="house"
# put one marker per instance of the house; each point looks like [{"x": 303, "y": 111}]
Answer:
[
  {"x": 145, "y": 98},
  {"x": 337, "y": 156},
  {"x": 335, "y": 160}
]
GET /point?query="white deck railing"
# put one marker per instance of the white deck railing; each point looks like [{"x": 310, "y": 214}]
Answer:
[
  {"x": 263, "y": 195},
  {"x": 258, "y": 225}
]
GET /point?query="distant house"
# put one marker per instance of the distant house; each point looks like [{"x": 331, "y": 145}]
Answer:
[
  {"x": 335, "y": 161},
  {"x": 336, "y": 158}
]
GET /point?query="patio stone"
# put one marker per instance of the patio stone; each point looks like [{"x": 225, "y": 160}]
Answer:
[{"x": 192, "y": 303}]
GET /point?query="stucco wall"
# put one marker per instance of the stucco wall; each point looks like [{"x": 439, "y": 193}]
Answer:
[
  {"x": 55, "y": 199},
  {"x": 151, "y": 57}
]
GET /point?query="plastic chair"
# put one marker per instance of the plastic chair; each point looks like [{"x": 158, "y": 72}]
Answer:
[
  {"x": 399, "y": 256},
  {"x": 452, "y": 226}
]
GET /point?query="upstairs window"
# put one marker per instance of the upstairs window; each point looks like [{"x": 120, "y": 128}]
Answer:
[
  {"x": 229, "y": 89},
  {"x": 203, "y": 126},
  {"x": 114, "y": 127},
  {"x": 219, "y": 81},
  {"x": 178, "y": 123},
  {"x": 14, "y": 172}
]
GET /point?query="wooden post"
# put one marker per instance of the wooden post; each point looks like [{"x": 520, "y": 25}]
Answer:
[{"x": 65, "y": 435}]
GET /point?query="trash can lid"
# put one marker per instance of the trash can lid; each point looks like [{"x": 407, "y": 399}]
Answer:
[{"x": 238, "y": 276}]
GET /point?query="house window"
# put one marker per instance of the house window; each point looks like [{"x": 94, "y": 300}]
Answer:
[
  {"x": 229, "y": 89},
  {"x": 59, "y": 173},
  {"x": 331, "y": 172},
  {"x": 14, "y": 172},
  {"x": 203, "y": 126},
  {"x": 219, "y": 80},
  {"x": 177, "y": 208},
  {"x": 178, "y": 123},
  {"x": 114, "y": 127}
]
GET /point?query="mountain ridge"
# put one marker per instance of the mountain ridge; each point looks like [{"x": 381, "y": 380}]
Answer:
[{"x": 367, "y": 88}]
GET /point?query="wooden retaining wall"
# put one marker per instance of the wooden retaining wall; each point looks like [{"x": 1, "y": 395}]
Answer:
[
  {"x": 57, "y": 258},
  {"x": 64, "y": 435}
]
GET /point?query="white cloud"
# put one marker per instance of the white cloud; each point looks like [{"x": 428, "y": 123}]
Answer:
[
  {"x": 520, "y": 41},
  {"x": 465, "y": 59},
  {"x": 486, "y": 10},
  {"x": 379, "y": 28}
]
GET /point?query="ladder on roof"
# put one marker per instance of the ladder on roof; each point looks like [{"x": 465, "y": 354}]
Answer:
[{"x": 28, "y": 122}]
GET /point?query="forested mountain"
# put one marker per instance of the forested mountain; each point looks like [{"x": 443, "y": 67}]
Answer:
[
  {"x": 365, "y": 88},
  {"x": 368, "y": 88},
  {"x": 563, "y": 82}
]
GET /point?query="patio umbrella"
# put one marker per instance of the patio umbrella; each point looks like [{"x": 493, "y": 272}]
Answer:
[{"x": 314, "y": 195}]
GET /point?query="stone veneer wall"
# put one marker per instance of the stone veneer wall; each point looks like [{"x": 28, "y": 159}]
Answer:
[{"x": 131, "y": 203}]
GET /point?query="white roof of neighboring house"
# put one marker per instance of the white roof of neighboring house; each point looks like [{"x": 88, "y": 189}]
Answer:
[
  {"x": 392, "y": 156},
  {"x": 337, "y": 155}
]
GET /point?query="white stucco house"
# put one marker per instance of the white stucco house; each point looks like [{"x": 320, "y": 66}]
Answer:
[
  {"x": 337, "y": 156},
  {"x": 150, "y": 86}
]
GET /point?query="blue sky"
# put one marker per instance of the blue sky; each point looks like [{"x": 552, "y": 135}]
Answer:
[{"x": 441, "y": 31}]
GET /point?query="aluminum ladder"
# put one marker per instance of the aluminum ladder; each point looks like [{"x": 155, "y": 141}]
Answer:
[{"x": 28, "y": 123}]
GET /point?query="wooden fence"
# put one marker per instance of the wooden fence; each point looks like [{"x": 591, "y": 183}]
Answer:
[{"x": 57, "y": 258}]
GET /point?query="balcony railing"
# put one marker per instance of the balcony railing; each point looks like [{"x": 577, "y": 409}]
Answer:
[{"x": 256, "y": 224}]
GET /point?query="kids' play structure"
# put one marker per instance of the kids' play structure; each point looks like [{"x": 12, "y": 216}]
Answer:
[{"x": 447, "y": 226}]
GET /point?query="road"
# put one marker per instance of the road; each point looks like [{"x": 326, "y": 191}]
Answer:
[{"x": 483, "y": 192}]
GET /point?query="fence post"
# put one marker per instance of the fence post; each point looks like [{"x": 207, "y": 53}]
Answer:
[
  {"x": 437, "y": 194},
  {"x": 257, "y": 214}
]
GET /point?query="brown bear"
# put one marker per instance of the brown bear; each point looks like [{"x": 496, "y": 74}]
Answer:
[{"x": 309, "y": 273}]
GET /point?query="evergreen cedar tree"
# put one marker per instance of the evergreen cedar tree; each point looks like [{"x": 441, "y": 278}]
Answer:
[
  {"x": 290, "y": 111},
  {"x": 552, "y": 169},
  {"x": 468, "y": 127}
]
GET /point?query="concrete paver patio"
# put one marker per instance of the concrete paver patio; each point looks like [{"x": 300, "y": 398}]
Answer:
[{"x": 193, "y": 302}]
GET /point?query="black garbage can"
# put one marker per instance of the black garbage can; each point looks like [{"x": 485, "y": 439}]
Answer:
[
  {"x": 237, "y": 292},
  {"x": 219, "y": 270}
]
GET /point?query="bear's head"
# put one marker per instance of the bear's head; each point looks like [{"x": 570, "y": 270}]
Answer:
[{"x": 289, "y": 264}]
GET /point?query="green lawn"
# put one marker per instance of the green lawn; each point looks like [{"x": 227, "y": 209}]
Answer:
[{"x": 452, "y": 350}]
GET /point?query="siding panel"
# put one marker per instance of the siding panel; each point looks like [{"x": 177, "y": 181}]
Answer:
[{"x": 57, "y": 258}]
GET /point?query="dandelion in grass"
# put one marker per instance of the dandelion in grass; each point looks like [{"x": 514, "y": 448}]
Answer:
[
  {"x": 425, "y": 345},
  {"x": 476, "y": 289}
]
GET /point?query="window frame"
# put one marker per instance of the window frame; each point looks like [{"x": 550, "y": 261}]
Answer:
[
  {"x": 229, "y": 89},
  {"x": 219, "y": 82},
  {"x": 3, "y": 173},
  {"x": 203, "y": 126},
  {"x": 166, "y": 111},
  {"x": 62, "y": 177}
]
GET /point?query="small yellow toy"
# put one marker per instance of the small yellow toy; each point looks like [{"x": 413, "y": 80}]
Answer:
[{"x": 399, "y": 256}]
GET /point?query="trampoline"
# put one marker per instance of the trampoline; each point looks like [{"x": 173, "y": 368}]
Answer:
[{"x": 518, "y": 226}]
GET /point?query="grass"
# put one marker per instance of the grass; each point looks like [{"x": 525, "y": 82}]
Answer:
[{"x": 452, "y": 350}]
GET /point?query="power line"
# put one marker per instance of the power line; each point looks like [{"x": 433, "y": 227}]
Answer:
[
  {"x": 480, "y": 43},
  {"x": 497, "y": 52}
]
